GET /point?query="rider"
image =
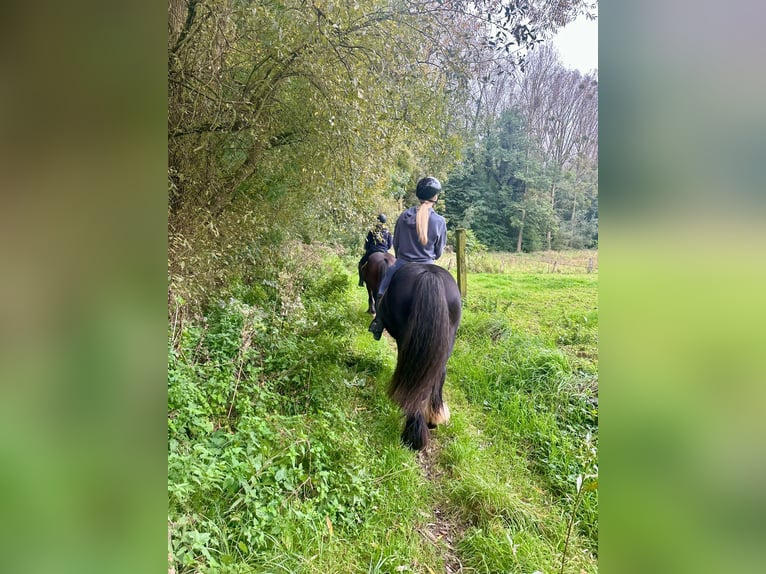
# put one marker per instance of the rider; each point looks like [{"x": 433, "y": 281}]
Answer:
[
  {"x": 378, "y": 239},
  {"x": 419, "y": 236}
]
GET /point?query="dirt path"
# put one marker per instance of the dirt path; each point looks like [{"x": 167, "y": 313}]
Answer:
[{"x": 443, "y": 530}]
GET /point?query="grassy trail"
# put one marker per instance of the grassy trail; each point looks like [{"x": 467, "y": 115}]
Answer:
[
  {"x": 443, "y": 529},
  {"x": 284, "y": 452},
  {"x": 499, "y": 473}
]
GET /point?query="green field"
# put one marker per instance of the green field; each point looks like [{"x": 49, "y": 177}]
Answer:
[{"x": 284, "y": 451}]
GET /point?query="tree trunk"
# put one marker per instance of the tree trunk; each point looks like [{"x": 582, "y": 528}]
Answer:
[
  {"x": 176, "y": 15},
  {"x": 219, "y": 49},
  {"x": 180, "y": 30},
  {"x": 521, "y": 230},
  {"x": 553, "y": 199},
  {"x": 572, "y": 221}
]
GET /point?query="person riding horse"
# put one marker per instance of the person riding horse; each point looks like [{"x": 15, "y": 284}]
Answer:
[
  {"x": 421, "y": 309},
  {"x": 419, "y": 237},
  {"x": 378, "y": 240}
]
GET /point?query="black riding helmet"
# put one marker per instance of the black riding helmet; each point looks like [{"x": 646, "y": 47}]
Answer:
[
  {"x": 382, "y": 218},
  {"x": 428, "y": 187}
]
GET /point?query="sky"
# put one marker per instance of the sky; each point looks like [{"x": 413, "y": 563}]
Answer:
[{"x": 577, "y": 44}]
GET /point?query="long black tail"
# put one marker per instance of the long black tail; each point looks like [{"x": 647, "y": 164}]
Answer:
[{"x": 423, "y": 351}]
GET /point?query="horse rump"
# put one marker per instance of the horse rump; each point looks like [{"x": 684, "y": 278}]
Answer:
[
  {"x": 373, "y": 272},
  {"x": 423, "y": 346},
  {"x": 416, "y": 311}
]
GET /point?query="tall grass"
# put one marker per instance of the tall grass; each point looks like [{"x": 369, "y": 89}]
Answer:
[
  {"x": 573, "y": 262},
  {"x": 284, "y": 453},
  {"x": 526, "y": 356}
]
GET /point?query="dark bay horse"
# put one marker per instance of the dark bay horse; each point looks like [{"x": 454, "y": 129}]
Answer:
[
  {"x": 372, "y": 273},
  {"x": 421, "y": 310}
]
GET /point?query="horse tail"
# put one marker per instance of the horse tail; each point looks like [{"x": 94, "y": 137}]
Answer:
[{"x": 423, "y": 350}]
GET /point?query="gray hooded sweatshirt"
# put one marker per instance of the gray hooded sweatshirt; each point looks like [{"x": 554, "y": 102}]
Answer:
[{"x": 407, "y": 246}]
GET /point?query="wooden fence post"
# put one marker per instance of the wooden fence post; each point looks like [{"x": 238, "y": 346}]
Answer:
[
  {"x": 590, "y": 265},
  {"x": 461, "y": 269}
]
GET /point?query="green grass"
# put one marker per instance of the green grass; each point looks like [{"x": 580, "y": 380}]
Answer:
[
  {"x": 540, "y": 262},
  {"x": 284, "y": 451},
  {"x": 526, "y": 359}
]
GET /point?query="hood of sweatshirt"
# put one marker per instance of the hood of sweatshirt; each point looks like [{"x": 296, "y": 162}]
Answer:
[{"x": 409, "y": 217}]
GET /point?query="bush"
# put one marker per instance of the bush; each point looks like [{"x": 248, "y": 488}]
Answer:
[{"x": 258, "y": 449}]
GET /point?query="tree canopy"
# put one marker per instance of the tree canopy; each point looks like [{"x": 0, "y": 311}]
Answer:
[
  {"x": 530, "y": 178},
  {"x": 299, "y": 119}
]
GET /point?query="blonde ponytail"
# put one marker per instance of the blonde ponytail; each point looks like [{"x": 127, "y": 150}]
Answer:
[{"x": 421, "y": 221}]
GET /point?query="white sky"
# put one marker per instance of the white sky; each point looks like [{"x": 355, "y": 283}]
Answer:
[{"x": 577, "y": 44}]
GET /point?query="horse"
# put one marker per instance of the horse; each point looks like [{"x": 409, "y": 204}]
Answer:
[
  {"x": 421, "y": 310},
  {"x": 372, "y": 273}
]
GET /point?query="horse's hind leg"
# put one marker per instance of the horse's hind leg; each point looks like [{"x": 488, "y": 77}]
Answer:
[
  {"x": 415, "y": 434},
  {"x": 370, "y": 301},
  {"x": 437, "y": 411}
]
